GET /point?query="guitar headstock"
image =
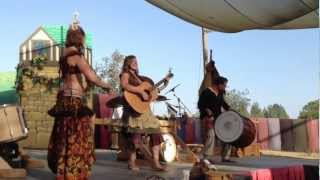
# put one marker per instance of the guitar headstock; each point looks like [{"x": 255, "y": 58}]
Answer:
[{"x": 170, "y": 74}]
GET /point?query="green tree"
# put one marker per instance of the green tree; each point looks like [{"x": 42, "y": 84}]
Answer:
[
  {"x": 109, "y": 69},
  {"x": 275, "y": 111},
  {"x": 310, "y": 110},
  {"x": 265, "y": 112},
  {"x": 238, "y": 101},
  {"x": 256, "y": 110}
]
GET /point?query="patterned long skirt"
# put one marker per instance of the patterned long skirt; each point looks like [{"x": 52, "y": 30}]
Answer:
[{"x": 70, "y": 150}]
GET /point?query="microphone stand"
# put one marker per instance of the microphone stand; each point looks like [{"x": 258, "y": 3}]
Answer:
[
  {"x": 172, "y": 90},
  {"x": 179, "y": 103},
  {"x": 185, "y": 107}
]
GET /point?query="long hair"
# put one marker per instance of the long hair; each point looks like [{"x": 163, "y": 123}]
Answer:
[
  {"x": 75, "y": 37},
  {"x": 126, "y": 64}
]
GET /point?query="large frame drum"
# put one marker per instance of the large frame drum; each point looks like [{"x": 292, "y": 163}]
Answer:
[
  {"x": 12, "y": 124},
  {"x": 232, "y": 128}
]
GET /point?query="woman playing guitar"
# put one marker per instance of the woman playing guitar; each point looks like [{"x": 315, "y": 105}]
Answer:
[{"x": 139, "y": 124}]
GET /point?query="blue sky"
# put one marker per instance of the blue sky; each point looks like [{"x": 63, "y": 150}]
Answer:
[{"x": 275, "y": 66}]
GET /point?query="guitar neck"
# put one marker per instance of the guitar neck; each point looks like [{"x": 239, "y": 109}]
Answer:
[
  {"x": 159, "y": 83},
  {"x": 163, "y": 81}
]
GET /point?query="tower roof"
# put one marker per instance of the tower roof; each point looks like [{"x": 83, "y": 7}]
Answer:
[{"x": 58, "y": 34}]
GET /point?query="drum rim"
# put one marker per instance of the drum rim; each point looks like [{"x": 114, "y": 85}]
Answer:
[
  {"x": 216, "y": 129},
  {"x": 14, "y": 139},
  {"x": 175, "y": 146}
]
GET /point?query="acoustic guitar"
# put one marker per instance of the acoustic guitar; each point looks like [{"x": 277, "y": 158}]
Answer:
[{"x": 137, "y": 102}]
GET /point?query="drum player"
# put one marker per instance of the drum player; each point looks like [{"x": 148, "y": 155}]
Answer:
[{"x": 211, "y": 104}]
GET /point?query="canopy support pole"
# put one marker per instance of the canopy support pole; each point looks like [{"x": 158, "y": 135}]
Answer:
[{"x": 205, "y": 49}]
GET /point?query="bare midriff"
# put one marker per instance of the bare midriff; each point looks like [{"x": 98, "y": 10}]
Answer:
[{"x": 72, "y": 86}]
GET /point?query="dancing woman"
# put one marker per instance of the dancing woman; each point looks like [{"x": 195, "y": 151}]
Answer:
[{"x": 70, "y": 150}]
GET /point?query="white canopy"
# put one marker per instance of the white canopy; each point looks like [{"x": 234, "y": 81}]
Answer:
[{"x": 239, "y": 15}]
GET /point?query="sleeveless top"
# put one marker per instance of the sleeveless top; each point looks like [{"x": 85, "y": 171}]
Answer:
[
  {"x": 135, "y": 82},
  {"x": 65, "y": 68}
]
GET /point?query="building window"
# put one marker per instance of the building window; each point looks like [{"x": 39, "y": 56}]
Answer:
[{"x": 40, "y": 48}]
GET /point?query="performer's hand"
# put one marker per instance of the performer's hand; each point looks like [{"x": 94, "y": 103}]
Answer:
[
  {"x": 209, "y": 122},
  {"x": 106, "y": 86},
  {"x": 209, "y": 112},
  {"x": 109, "y": 90},
  {"x": 167, "y": 79},
  {"x": 145, "y": 96}
]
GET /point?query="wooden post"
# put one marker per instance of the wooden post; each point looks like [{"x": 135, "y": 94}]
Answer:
[{"x": 205, "y": 49}]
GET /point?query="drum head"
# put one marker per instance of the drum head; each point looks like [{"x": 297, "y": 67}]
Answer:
[
  {"x": 12, "y": 126},
  {"x": 168, "y": 148},
  {"x": 229, "y": 126}
]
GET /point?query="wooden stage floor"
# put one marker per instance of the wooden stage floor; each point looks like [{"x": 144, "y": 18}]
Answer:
[{"x": 106, "y": 167}]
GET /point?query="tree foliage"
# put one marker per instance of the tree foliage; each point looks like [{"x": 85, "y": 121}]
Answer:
[
  {"x": 239, "y": 101},
  {"x": 109, "y": 69},
  {"x": 310, "y": 110},
  {"x": 275, "y": 111},
  {"x": 256, "y": 111}
]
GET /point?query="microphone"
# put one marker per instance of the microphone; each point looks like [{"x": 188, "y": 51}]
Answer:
[{"x": 172, "y": 90}]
